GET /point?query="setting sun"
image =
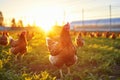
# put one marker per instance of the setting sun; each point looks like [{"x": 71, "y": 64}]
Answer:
[
  {"x": 45, "y": 25},
  {"x": 46, "y": 18}
]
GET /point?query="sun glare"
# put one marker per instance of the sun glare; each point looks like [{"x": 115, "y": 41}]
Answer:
[
  {"x": 45, "y": 25},
  {"x": 46, "y": 18},
  {"x": 43, "y": 17}
]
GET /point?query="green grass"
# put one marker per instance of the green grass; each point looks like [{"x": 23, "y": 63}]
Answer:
[{"x": 98, "y": 59}]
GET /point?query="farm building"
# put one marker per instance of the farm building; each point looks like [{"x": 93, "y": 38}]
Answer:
[{"x": 107, "y": 24}]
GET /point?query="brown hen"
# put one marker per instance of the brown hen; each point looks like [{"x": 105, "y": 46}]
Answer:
[
  {"x": 19, "y": 46},
  {"x": 62, "y": 52},
  {"x": 79, "y": 41},
  {"x": 4, "y": 39}
]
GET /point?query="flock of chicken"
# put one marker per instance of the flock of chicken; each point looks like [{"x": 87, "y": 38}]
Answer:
[
  {"x": 106, "y": 34},
  {"x": 62, "y": 51},
  {"x": 17, "y": 46}
]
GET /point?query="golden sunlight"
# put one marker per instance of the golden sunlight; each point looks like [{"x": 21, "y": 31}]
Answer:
[
  {"x": 47, "y": 17},
  {"x": 45, "y": 25}
]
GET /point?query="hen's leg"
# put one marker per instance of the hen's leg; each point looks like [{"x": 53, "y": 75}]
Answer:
[
  {"x": 16, "y": 57},
  {"x": 61, "y": 74},
  {"x": 68, "y": 68}
]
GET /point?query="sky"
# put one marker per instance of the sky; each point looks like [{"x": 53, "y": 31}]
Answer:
[{"x": 51, "y": 11}]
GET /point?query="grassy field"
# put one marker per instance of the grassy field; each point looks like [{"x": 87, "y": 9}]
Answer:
[{"x": 98, "y": 59}]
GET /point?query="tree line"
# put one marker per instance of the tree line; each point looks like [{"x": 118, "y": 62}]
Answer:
[{"x": 13, "y": 22}]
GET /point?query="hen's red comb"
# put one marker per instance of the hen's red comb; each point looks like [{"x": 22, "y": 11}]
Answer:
[{"x": 67, "y": 26}]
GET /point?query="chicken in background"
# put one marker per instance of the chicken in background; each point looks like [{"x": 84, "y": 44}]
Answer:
[
  {"x": 98, "y": 34},
  {"x": 29, "y": 35},
  {"x": 84, "y": 33},
  {"x": 113, "y": 36},
  {"x": 19, "y": 46},
  {"x": 79, "y": 41},
  {"x": 4, "y": 39},
  {"x": 106, "y": 34},
  {"x": 62, "y": 52},
  {"x": 1, "y": 33},
  {"x": 118, "y": 35},
  {"x": 91, "y": 34}
]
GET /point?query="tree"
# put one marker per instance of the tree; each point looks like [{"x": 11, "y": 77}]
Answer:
[
  {"x": 20, "y": 23},
  {"x": 1, "y": 19},
  {"x": 13, "y": 23}
]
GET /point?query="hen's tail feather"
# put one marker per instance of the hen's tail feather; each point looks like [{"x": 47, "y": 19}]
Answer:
[
  {"x": 10, "y": 40},
  {"x": 49, "y": 41}
]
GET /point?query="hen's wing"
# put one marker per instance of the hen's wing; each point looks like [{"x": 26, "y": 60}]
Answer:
[
  {"x": 19, "y": 49},
  {"x": 18, "y": 46},
  {"x": 53, "y": 46},
  {"x": 14, "y": 43}
]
